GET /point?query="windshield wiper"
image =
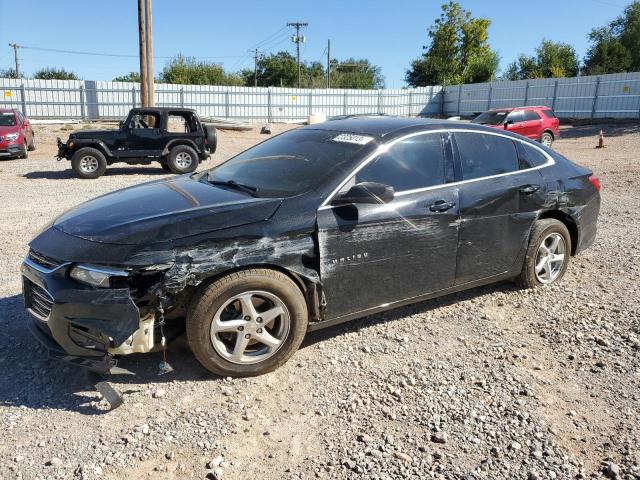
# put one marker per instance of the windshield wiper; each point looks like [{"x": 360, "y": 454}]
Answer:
[{"x": 233, "y": 184}]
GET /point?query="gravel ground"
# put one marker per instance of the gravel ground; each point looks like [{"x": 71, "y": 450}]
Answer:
[{"x": 493, "y": 383}]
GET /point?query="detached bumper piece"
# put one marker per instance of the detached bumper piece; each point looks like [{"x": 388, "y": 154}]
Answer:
[{"x": 76, "y": 324}]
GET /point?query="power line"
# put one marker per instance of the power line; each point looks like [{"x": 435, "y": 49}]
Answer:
[{"x": 117, "y": 55}]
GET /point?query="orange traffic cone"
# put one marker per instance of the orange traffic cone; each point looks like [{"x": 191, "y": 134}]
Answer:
[{"x": 601, "y": 140}]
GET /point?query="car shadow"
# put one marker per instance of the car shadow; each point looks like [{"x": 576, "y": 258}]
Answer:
[
  {"x": 31, "y": 379},
  {"x": 593, "y": 130},
  {"x": 111, "y": 172}
]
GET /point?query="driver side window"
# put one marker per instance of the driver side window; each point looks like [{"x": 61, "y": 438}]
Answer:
[
  {"x": 413, "y": 163},
  {"x": 144, "y": 120}
]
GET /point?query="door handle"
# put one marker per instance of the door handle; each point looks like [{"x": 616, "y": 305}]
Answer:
[
  {"x": 441, "y": 206},
  {"x": 529, "y": 189}
]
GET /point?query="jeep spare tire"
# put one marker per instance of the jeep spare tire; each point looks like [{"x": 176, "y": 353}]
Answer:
[
  {"x": 182, "y": 159},
  {"x": 212, "y": 137},
  {"x": 89, "y": 163}
]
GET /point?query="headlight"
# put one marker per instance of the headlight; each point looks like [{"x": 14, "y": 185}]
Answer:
[
  {"x": 96, "y": 276},
  {"x": 70, "y": 143},
  {"x": 12, "y": 137}
]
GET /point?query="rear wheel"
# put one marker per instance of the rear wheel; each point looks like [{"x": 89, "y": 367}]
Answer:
[
  {"x": 546, "y": 139},
  {"x": 32, "y": 145},
  {"x": 547, "y": 255},
  {"x": 182, "y": 159},
  {"x": 88, "y": 163},
  {"x": 247, "y": 323}
]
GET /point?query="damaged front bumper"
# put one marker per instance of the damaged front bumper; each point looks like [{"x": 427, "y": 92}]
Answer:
[{"x": 82, "y": 325}]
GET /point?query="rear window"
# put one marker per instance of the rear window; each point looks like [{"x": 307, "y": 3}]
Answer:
[
  {"x": 549, "y": 113},
  {"x": 531, "y": 115},
  {"x": 491, "y": 118},
  {"x": 530, "y": 156},
  {"x": 483, "y": 155}
]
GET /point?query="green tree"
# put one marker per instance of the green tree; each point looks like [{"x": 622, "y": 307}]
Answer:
[
  {"x": 352, "y": 73},
  {"x": 190, "y": 71},
  {"x": 53, "y": 73},
  {"x": 552, "y": 60},
  {"x": 9, "y": 73},
  {"x": 279, "y": 69},
  {"x": 129, "y": 77},
  {"x": 458, "y": 51},
  {"x": 615, "y": 47}
]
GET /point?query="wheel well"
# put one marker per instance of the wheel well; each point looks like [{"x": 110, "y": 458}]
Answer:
[
  {"x": 177, "y": 143},
  {"x": 307, "y": 287},
  {"x": 95, "y": 146},
  {"x": 568, "y": 222}
]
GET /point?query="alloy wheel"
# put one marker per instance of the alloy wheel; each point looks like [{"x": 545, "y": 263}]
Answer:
[
  {"x": 250, "y": 327},
  {"x": 550, "y": 258},
  {"x": 183, "y": 160},
  {"x": 88, "y": 164}
]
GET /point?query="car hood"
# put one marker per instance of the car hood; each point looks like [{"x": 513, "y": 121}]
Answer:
[
  {"x": 163, "y": 210},
  {"x": 92, "y": 133},
  {"x": 5, "y": 130}
]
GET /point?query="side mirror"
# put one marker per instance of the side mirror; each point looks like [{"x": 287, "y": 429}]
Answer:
[
  {"x": 507, "y": 123},
  {"x": 366, "y": 192}
]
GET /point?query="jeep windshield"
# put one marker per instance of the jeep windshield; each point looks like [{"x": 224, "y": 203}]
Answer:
[
  {"x": 491, "y": 118},
  {"x": 289, "y": 164}
]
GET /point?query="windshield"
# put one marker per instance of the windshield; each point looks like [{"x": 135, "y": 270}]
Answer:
[
  {"x": 289, "y": 164},
  {"x": 491, "y": 118},
  {"x": 7, "y": 119}
]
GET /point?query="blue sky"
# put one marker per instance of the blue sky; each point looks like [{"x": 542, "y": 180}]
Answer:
[{"x": 389, "y": 33}]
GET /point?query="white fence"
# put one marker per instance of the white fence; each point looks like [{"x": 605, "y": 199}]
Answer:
[{"x": 615, "y": 95}]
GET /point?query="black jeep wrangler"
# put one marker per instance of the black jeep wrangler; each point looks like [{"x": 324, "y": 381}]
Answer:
[{"x": 175, "y": 137}]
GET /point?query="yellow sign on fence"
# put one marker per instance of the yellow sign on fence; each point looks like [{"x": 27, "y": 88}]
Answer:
[{"x": 7, "y": 93}]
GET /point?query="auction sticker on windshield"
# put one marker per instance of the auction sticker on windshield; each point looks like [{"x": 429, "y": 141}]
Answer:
[{"x": 350, "y": 138}]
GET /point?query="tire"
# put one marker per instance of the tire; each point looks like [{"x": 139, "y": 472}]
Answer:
[
  {"x": 212, "y": 137},
  {"x": 165, "y": 167},
  {"x": 547, "y": 231},
  {"x": 547, "y": 139},
  {"x": 89, "y": 163},
  {"x": 25, "y": 151},
  {"x": 215, "y": 349},
  {"x": 32, "y": 145},
  {"x": 182, "y": 159}
]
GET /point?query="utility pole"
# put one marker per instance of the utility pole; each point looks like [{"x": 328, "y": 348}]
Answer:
[
  {"x": 297, "y": 39},
  {"x": 142, "y": 40},
  {"x": 256, "y": 57},
  {"x": 15, "y": 47},
  {"x": 329, "y": 63},
  {"x": 148, "y": 23}
]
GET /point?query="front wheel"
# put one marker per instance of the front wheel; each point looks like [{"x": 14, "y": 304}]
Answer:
[
  {"x": 247, "y": 323},
  {"x": 24, "y": 153},
  {"x": 547, "y": 255},
  {"x": 182, "y": 159},
  {"x": 32, "y": 145},
  {"x": 88, "y": 163}
]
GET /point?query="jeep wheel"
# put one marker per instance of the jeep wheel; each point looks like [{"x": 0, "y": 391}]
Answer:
[
  {"x": 212, "y": 138},
  {"x": 182, "y": 159},
  {"x": 88, "y": 163},
  {"x": 247, "y": 323}
]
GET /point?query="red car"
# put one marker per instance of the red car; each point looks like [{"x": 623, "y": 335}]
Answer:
[
  {"x": 16, "y": 134},
  {"x": 536, "y": 123}
]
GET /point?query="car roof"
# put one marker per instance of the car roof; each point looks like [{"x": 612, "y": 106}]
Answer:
[
  {"x": 527, "y": 107},
  {"x": 384, "y": 126},
  {"x": 8, "y": 110}
]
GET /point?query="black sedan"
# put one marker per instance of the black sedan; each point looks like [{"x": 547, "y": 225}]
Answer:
[{"x": 314, "y": 227}]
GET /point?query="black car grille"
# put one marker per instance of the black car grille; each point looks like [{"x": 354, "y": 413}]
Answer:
[
  {"x": 43, "y": 260},
  {"x": 38, "y": 300}
]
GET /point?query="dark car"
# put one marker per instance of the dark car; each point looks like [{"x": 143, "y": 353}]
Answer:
[
  {"x": 316, "y": 226},
  {"x": 16, "y": 134},
  {"x": 174, "y": 137},
  {"x": 536, "y": 123}
]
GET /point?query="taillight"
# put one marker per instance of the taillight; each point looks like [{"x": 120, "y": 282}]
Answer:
[{"x": 595, "y": 182}]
